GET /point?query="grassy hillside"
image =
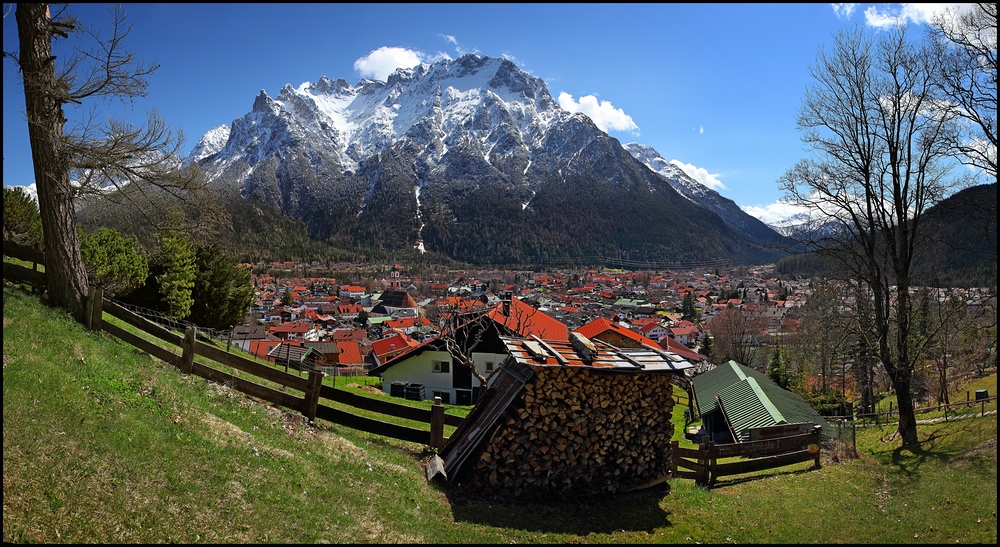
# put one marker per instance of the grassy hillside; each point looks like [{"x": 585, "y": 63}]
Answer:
[{"x": 103, "y": 444}]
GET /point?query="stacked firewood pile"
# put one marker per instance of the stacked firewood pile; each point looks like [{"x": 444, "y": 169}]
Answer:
[{"x": 580, "y": 433}]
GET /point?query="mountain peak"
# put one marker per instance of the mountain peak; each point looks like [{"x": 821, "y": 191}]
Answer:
[
  {"x": 263, "y": 103},
  {"x": 469, "y": 157}
]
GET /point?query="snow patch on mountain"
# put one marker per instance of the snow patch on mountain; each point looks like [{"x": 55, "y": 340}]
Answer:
[
  {"x": 681, "y": 181},
  {"x": 357, "y": 122},
  {"x": 211, "y": 143}
]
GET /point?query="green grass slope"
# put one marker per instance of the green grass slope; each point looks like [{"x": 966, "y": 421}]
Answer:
[{"x": 103, "y": 444}]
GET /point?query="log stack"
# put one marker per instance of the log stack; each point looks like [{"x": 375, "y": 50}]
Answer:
[{"x": 577, "y": 433}]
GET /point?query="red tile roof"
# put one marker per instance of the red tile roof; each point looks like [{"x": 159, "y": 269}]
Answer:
[
  {"x": 600, "y": 325},
  {"x": 393, "y": 344},
  {"x": 350, "y": 352},
  {"x": 527, "y": 321},
  {"x": 674, "y": 346}
]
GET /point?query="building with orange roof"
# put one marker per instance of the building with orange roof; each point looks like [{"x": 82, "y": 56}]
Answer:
[
  {"x": 297, "y": 330},
  {"x": 615, "y": 334},
  {"x": 527, "y": 321},
  {"x": 350, "y": 353},
  {"x": 391, "y": 346},
  {"x": 431, "y": 365}
]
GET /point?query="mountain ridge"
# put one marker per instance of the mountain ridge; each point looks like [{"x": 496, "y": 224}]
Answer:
[{"x": 471, "y": 158}]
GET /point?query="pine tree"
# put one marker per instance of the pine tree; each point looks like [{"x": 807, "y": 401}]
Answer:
[
  {"x": 116, "y": 264},
  {"x": 22, "y": 223},
  {"x": 223, "y": 291},
  {"x": 177, "y": 280}
]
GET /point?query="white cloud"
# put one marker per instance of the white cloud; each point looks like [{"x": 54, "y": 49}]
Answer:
[
  {"x": 603, "y": 113},
  {"x": 382, "y": 62},
  {"x": 885, "y": 15},
  {"x": 459, "y": 48},
  {"x": 843, "y": 11},
  {"x": 514, "y": 60},
  {"x": 701, "y": 130},
  {"x": 701, "y": 175},
  {"x": 774, "y": 212}
]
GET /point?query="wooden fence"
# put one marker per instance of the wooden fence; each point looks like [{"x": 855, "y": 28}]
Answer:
[
  {"x": 312, "y": 389},
  {"x": 704, "y": 467},
  {"x": 30, "y": 276},
  {"x": 893, "y": 414},
  {"x": 211, "y": 360}
]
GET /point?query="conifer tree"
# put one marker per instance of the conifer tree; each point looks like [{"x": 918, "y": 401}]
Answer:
[
  {"x": 115, "y": 263},
  {"x": 176, "y": 282}
]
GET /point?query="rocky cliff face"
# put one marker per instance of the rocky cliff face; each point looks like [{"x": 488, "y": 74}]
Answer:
[
  {"x": 470, "y": 158},
  {"x": 731, "y": 213}
]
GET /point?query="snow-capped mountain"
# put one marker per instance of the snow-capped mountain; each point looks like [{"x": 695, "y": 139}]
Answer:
[
  {"x": 470, "y": 158},
  {"x": 701, "y": 195},
  {"x": 793, "y": 224}
]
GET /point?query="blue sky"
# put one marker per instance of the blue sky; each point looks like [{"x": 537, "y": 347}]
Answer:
[{"x": 715, "y": 87}]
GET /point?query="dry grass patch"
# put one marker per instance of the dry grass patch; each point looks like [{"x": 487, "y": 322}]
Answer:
[{"x": 227, "y": 434}]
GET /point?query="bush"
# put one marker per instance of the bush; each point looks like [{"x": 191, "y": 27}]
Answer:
[{"x": 830, "y": 403}]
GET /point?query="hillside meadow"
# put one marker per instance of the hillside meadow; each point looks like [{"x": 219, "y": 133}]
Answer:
[{"x": 103, "y": 444}]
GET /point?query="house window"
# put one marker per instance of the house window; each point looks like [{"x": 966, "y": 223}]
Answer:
[
  {"x": 489, "y": 366},
  {"x": 445, "y": 397},
  {"x": 441, "y": 366}
]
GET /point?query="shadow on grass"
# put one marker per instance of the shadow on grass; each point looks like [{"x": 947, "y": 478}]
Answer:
[
  {"x": 934, "y": 445},
  {"x": 634, "y": 512},
  {"x": 769, "y": 474}
]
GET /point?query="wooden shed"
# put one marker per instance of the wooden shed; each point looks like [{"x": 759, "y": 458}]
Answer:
[
  {"x": 572, "y": 419},
  {"x": 738, "y": 404}
]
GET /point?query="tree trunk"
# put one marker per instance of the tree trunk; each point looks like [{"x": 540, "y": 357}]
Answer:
[
  {"x": 65, "y": 274},
  {"x": 907, "y": 419},
  {"x": 904, "y": 370}
]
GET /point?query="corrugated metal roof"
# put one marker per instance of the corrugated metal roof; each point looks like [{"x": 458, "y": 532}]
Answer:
[
  {"x": 751, "y": 399},
  {"x": 537, "y": 352},
  {"x": 747, "y": 406}
]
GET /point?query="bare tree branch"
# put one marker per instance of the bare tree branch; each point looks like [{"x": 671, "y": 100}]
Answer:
[{"x": 881, "y": 160}]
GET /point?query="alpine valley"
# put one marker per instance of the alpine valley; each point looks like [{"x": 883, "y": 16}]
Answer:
[{"x": 471, "y": 159}]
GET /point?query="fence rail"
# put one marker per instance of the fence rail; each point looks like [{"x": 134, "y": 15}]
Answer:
[
  {"x": 704, "y": 468},
  {"x": 32, "y": 276},
  {"x": 893, "y": 414},
  {"x": 313, "y": 392},
  {"x": 312, "y": 388}
]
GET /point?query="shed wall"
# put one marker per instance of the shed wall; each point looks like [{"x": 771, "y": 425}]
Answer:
[{"x": 580, "y": 433}]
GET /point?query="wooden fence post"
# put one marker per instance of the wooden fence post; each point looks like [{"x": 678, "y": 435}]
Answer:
[
  {"x": 673, "y": 457},
  {"x": 88, "y": 309},
  {"x": 712, "y": 461},
  {"x": 437, "y": 424},
  {"x": 311, "y": 401},
  {"x": 93, "y": 310},
  {"x": 814, "y": 444},
  {"x": 187, "y": 357},
  {"x": 704, "y": 461}
]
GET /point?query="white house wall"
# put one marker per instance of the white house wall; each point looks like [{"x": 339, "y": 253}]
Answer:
[{"x": 418, "y": 370}]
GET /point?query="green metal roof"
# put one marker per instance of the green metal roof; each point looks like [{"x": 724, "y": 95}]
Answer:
[
  {"x": 631, "y": 302},
  {"x": 751, "y": 399}
]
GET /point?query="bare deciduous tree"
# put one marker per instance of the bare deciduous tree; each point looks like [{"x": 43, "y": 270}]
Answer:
[
  {"x": 738, "y": 335},
  {"x": 880, "y": 149},
  {"x": 464, "y": 331},
  {"x": 822, "y": 339},
  {"x": 964, "y": 43}
]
